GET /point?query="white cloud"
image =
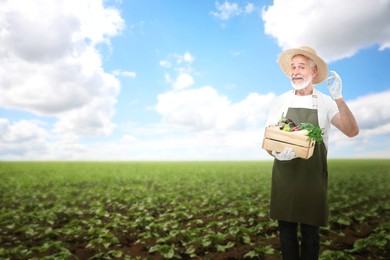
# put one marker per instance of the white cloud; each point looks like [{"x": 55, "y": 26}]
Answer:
[
  {"x": 228, "y": 10},
  {"x": 167, "y": 78},
  {"x": 205, "y": 109},
  {"x": 183, "y": 70},
  {"x": 169, "y": 142},
  {"x": 188, "y": 57},
  {"x": 372, "y": 112},
  {"x": 336, "y": 29},
  {"x": 165, "y": 64},
  {"x": 22, "y": 138},
  {"x": 128, "y": 139},
  {"x": 130, "y": 74},
  {"x": 374, "y": 122},
  {"x": 194, "y": 109},
  {"x": 19, "y": 132},
  {"x": 183, "y": 81},
  {"x": 92, "y": 119},
  {"x": 231, "y": 128},
  {"x": 246, "y": 113},
  {"x": 198, "y": 124},
  {"x": 53, "y": 68}
]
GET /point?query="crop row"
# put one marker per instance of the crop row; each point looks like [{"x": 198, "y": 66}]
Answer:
[{"x": 175, "y": 210}]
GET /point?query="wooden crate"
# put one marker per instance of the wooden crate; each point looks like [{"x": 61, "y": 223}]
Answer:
[{"x": 276, "y": 140}]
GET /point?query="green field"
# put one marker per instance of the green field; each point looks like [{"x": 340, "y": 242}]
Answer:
[{"x": 181, "y": 210}]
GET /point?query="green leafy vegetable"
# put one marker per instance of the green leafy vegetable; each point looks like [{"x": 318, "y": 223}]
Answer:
[{"x": 315, "y": 133}]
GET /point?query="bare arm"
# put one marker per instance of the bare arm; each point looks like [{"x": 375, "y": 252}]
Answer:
[{"x": 344, "y": 120}]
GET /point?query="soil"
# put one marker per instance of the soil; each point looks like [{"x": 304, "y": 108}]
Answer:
[{"x": 338, "y": 238}]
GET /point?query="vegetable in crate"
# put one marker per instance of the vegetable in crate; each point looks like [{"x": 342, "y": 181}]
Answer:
[{"x": 313, "y": 132}]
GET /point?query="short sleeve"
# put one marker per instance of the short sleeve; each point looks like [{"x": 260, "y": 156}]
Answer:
[{"x": 278, "y": 107}]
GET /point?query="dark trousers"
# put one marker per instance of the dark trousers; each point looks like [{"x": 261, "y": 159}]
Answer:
[{"x": 310, "y": 241}]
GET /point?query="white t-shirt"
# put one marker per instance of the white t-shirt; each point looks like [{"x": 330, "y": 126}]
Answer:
[{"x": 327, "y": 109}]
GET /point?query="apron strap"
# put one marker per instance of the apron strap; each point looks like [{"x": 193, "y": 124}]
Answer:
[{"x": 315, "y": 101}]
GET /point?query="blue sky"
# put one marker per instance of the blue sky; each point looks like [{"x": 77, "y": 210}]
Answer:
[{"x": 179, "y": 80}]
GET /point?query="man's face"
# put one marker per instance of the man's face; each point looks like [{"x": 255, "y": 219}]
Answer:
[{"x": 301, "y": 72}]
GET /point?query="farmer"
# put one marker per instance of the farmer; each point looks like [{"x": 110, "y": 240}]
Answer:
[{"x": 299, "y": 186}]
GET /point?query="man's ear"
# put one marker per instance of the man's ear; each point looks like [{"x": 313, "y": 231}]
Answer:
[{"x": 315, "y": 73}]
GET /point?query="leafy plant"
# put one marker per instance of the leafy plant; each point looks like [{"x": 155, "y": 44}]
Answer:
[
  {"x": 315, "y": 133},
  {"x": 260, "y": 252},
  {"x": 167, "y": 251},
  {"x": 129, "y": 210}
]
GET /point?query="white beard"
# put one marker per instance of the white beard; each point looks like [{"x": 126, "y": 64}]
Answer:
[{"x": 302, "y": 85}]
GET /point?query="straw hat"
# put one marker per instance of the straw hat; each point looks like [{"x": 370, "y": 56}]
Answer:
[{"x": 285, "y": 62}]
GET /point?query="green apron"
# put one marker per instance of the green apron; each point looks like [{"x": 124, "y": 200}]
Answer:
[{"x": 299, "y": 186}]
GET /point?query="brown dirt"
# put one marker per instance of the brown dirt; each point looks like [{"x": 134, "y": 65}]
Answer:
[{"x": 341, "y": 237}]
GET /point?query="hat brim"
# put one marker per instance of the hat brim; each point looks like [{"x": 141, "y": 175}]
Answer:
[{"x": 285, "y": 63}]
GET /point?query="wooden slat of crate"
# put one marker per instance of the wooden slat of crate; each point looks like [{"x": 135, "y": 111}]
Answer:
[
  {"x": 287, "y": 137},
  {"x": 300, "y": 151},
  {"x": 277, "y": 140}
]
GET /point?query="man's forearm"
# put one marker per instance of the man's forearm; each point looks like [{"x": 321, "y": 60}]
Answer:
[{"x": 348, "y": 120}]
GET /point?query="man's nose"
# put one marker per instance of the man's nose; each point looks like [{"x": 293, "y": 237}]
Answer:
[{"x": 294, "y": 71}]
